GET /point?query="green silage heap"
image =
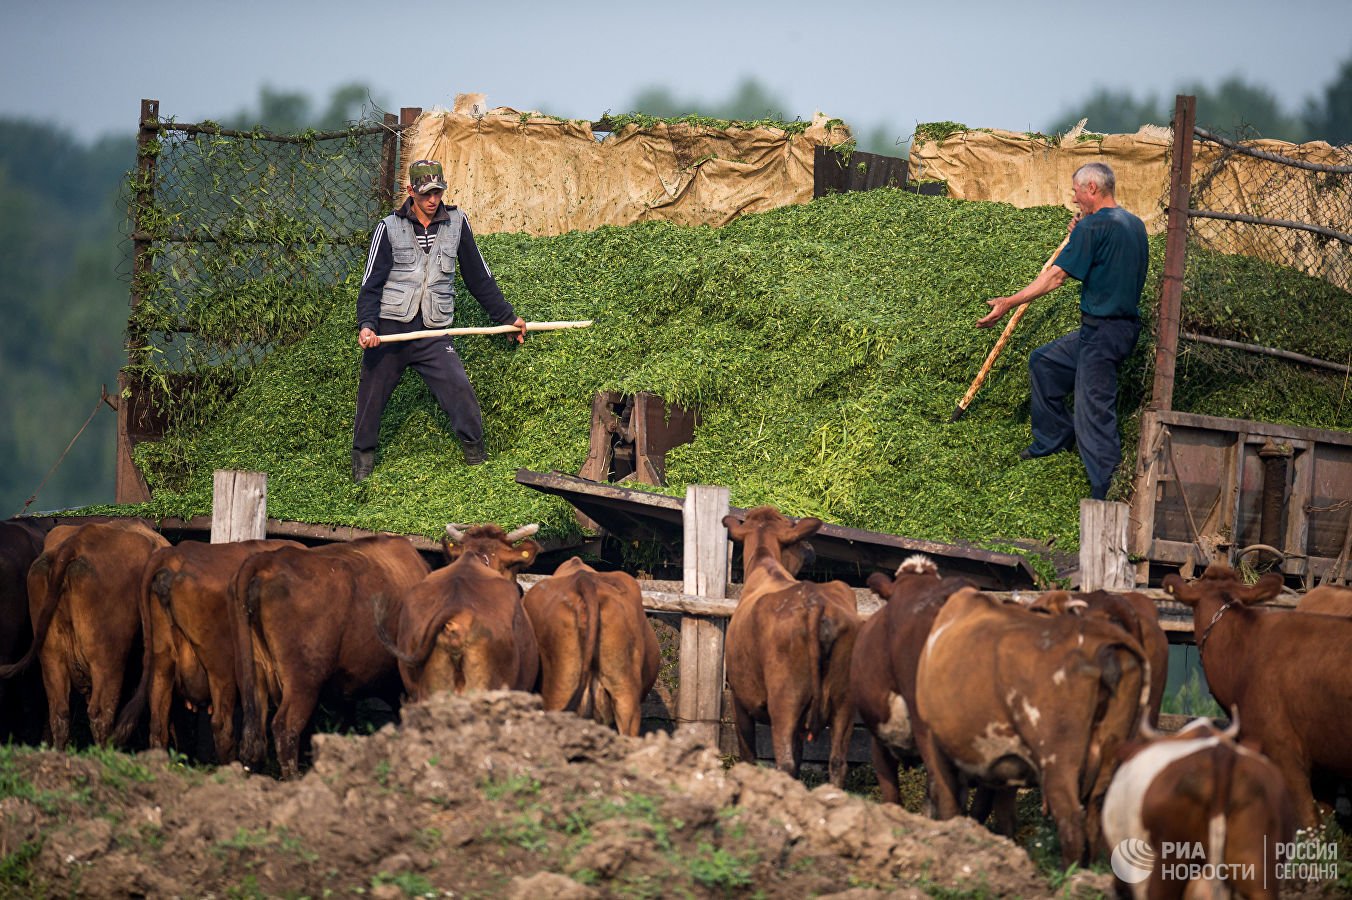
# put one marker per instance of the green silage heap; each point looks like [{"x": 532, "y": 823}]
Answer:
[{"x": 826, "y": 346}]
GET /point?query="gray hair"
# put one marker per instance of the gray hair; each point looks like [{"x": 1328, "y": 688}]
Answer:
[{"x": 1096, "y": 173}]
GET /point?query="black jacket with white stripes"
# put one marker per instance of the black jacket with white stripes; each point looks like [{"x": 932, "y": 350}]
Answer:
[{"x": 478, "y": 278}]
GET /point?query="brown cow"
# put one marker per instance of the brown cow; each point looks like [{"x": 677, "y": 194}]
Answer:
[
  {"x": 788, "y": 646},
  {"x": 1328, "y": 599},
  {"x": 82, "y": 599},
  {"x": 303, "y": 620},
  {"x": 1286, "y": 672},
  {"x": 1134, "y": 613},
  {"x": 598, "y": 651},
  {"x": 1197, "y": 788},
  {"x": 882, "y": 667},
  {"x": 20, "y": 698},
  {"x": 1011, "y": 697},
  {"x": 189, "y": 647},
  {"x": 463, "y": 627}
]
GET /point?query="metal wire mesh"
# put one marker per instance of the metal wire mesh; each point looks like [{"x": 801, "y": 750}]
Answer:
[
  {"x": 244, "y": 241},
  {"x": 1266, "y": 318}
]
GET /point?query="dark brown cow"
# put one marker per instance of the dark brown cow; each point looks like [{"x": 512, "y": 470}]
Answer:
[
  {"x": 1287, "y": 673},
  {"x": 598, "y": 651},
  {"x": 1011, "y": 697},
  {"x": 1134, "y": 613},
  {"x": 882, "y": 668},
  {"x": 20, "y": 698},
  {"x": 1197, "y": 788},
  {"x": 463, "y": 627},
  {"x": 189, "y": 647},
  {"x": 304, "y": 619},
  {"x": 788, "y": 646},
  {"x": 82, "y": 599},
  {"x": 1328, "y": 599}
]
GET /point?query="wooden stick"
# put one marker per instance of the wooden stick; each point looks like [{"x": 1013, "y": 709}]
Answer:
[
  {"x": 1000, "y": 344},
  {"x": 485, "y": 329}
]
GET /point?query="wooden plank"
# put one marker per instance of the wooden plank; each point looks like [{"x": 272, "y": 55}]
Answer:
[
  {"x": 706, "y": 560},
  {"x": 239, "y": 506},
  {"x": 1104, "y": 562}
]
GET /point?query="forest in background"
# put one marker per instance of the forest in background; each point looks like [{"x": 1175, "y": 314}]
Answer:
[{"x": 65, "y": 251}]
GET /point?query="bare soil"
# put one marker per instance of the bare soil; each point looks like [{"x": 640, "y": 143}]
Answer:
[{"x": 486, "y": 796}]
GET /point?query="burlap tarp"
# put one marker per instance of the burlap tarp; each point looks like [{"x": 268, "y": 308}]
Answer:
[
  {"x": 513, "y": 171},
  {"x": 1023, "y": 170}
]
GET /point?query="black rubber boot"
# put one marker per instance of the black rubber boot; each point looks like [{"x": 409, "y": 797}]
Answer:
[
  {"x": 475, "y": 452},
  {"x": 363, "y": 463}
]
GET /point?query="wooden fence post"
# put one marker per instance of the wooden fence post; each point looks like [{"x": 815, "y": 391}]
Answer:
[
  {"x": 1104, "y": 562},
  {"x": 700, "y": 702},
  {"x": 239, "y": 506}
]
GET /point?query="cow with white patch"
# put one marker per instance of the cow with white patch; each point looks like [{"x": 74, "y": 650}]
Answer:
[
  {"x": 1192, "y": 799},
  {"x": 1287, "y": 673},
  {"x": 883, "y": 665},
  {"x": 1012, "y": 698}
]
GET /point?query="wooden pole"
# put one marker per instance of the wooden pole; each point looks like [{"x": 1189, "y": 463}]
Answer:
[
  {"x": 700, "y": 703},
  {"x": 1104, "y": 563},
  {"x": 483, "y": 329},
  {"x": 239, "y": 506},
  {"x": 1175, "y": 253}
]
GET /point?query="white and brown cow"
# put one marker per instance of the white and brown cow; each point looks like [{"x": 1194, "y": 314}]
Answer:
[
  {"x": 788, "y": 646},
  {"x": 1287, "y": 672},
  {"x": 1197, "y": 789},
  {"x": 463, "y": 627},
  {"x": 1011, "y": 697},
  {"x": 598, "y": 651}
]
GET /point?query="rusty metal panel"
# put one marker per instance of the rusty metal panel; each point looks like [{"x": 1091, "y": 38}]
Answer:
[{"x": 1329, "y": 501}]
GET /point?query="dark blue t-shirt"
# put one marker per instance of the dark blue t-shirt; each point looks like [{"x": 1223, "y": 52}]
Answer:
[{"x": 1109, "y": 255}]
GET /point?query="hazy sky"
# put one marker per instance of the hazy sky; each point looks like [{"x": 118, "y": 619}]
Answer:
[{"x": 1013, "y": 64}]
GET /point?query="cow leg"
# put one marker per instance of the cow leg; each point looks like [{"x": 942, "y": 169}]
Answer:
[
  {"x": 746, "y": 732},
  {"x": 786, "y": 718},
  {"x": 56, "y": 683},
  {"x": 1060, "y": 789},
  {"x": 223, "y": 720},
  {"x": 292, "y": 715},
  {"x": 104, "y": 697},
  {"x": 842, "y": 728},
  {"x": 161, "y": 698},
  {"x": 885, "y": 766},
  {"x": 943, "y": 778},
  {"x": 1296, "y": 773},
  {"x": 628, "y": 708}
]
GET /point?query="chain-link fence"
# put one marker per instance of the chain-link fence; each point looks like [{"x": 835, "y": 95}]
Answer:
[
  {"x": 243, "y": 241},
  {"x": 1282, "y": 316}
]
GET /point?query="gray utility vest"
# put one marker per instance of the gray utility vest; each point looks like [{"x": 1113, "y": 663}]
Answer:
[{"x": 418, "y": 281}]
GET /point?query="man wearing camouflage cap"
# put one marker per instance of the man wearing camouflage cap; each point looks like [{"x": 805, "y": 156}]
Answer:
[{"x": 409, "y": 285}]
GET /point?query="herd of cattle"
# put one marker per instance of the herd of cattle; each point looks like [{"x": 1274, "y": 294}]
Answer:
[{"x": 1062, "y": 691}]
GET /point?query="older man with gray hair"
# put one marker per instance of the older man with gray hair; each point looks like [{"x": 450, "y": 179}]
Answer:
[{"x": 1107, "y": 252}]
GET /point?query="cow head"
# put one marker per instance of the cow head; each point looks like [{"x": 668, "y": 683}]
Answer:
[
  {"x": 1057, "y": 603},
  {"x": 916, "y": 565},
  {"x": 507, "y": 553},
  {"x": 1220, "y": 584},
  {"x": 766, "y": 533}
]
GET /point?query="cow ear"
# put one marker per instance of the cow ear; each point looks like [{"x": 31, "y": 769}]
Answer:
[
  {"x": 522, "y": 555},
  {"x": 449, "y": 550},
  {"x": 1267, "y": 587},
  {"x": 736, "y": 528},
  {"x": 805, "y": 528},
  {"x": 1184, "y": 592},
  {"x": 881, "y": 584}
]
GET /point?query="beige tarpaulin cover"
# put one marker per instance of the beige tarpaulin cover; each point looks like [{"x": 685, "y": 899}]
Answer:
[
  {"x": 513, "y": 171},
  {"x": 1015, "y": 168}
]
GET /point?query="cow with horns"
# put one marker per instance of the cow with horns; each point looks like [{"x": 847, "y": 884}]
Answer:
[
  {"x": 789, "y": 644},
  {"x": 1285, "y": 671},
  {"x": 463, "y": 627},
  {"x": 1197, "y": 788}
]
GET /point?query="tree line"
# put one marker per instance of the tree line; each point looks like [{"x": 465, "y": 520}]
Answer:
[{"x": 65, "y": 250}]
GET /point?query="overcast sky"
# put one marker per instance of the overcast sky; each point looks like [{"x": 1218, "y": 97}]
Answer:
[{"x": 1015, "y": 64}]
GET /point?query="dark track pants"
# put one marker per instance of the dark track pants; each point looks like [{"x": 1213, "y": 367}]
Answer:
[
  {"x": 439, "y": 365},
  {"x": 1086, "y": 362}
]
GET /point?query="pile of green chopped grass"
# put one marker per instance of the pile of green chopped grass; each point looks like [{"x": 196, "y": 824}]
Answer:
[{"x": 825, "y": 345}]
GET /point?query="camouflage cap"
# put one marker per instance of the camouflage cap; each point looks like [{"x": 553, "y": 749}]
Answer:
[{"x": 425, "y": 175}]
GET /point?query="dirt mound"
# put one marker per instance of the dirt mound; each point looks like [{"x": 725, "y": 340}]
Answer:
[{"x": 481, "y": 796}]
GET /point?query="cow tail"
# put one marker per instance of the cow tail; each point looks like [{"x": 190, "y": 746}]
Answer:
[
  {"x": 380, "y": 604},
  {"x": 55, "y": 568},
  {"x": 1118, "y": 713},
  {"x": 820, "y": 631},
  {"x": 243, "y": 607},
  {"x": 589, "y": 635},
  {"x": 155, "y": 582},
  {"x": 1223, "y": 757}
]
